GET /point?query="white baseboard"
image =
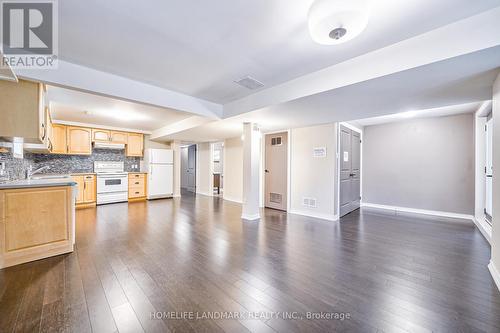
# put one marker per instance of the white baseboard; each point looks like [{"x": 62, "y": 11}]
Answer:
[
  {"x": 205, "y": 193},
  {"x": 250, "y": 217},
  {"x": 484, "y": 227},
  {"x": 225, "y": 197},
  {"x": 322, "y": 216},
  {"x": 419, "y": 211},
  {"x": 494, "y": 273}
]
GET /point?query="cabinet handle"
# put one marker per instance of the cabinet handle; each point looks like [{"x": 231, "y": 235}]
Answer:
[
  {"x": 136, "y": 192},
  {"x": 84, "y": 185},
  {"x": 136, "y": 183}
]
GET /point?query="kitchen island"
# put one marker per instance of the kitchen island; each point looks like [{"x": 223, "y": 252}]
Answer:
[{"x": 37, "y": 219}]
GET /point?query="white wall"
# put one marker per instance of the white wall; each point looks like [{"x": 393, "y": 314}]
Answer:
[
  {"x": 233, "y": 169},
  {"x": 423, "y": 163},
  {"x": 495, "y": 234},
  {"x": 313, "y": 177},
  {"x": 204, "y": 169}
]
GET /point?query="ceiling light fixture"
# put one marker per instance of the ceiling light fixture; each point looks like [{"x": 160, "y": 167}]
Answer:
[{"x": 337, "y": 21}]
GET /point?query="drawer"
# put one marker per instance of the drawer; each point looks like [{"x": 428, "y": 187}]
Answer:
[
  {"x": 136, "y": 182},
  {"x": 136, "y": 192},
  {"x": 136, "y": 176}
]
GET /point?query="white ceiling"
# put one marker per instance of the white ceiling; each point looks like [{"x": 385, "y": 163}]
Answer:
[
  {"x": 453, "y": 82},
  {"x": 82, "y": 107},
  {"x": 437, "y": 112},
  {"x": 201, "y": 47}
]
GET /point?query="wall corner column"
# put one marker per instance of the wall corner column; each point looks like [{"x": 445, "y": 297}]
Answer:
[
  {"x": 176, "y": 147},
  {"x": 251, "y": 167}
]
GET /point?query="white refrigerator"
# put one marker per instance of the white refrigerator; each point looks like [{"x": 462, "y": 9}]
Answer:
[{"x": 159, "y": 164}]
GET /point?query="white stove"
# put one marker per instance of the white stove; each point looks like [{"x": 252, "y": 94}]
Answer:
[{"x": 112, "y": 182}]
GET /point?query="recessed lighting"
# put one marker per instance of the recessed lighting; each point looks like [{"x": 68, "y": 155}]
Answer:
[{"x": 337, "y": 21}]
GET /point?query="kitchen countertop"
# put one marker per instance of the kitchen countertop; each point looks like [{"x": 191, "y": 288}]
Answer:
[
  {"x": 25, "y": 183},
  {"x": 137, "y": 172}
]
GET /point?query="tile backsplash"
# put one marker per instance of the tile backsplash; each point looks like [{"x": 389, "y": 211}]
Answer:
[{"x": 64, "y": 164}]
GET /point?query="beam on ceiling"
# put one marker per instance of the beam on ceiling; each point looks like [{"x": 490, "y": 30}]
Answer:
[
  {"x": 466, "y": 36},
  {"x": 102, "y": 83}
]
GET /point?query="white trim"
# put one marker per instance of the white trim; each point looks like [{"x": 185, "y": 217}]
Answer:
[
  {"x": 484, "y": 227},
  {"x": 76, "y": 123},
  {"x": 250, "y": 217},
  {"x": 419, "y": 211},
  {"x": 204, "y": 193},
  {"x": 235, "y": 200},
  {"x": 328, "y": 217},
  {"x": 494, "y": 273},
  {"x": 351, "y": 127}
]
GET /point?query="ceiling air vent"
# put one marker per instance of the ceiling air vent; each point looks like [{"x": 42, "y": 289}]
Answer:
[{"x": 249, "y": 83}]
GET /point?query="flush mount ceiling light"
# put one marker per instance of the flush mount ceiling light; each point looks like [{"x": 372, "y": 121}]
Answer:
[{"x": 337, "y": 21}]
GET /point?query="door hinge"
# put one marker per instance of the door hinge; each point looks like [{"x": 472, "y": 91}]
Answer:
[
  {"x": 485, "y": 128},
  {"x": 485, "y": 170},
  {"x": 484, "y": 210}
]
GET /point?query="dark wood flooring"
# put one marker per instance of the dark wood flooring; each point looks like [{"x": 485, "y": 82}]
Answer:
[{"x": 136, "y": 264}]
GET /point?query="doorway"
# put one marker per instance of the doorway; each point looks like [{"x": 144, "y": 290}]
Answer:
[
  {"x": 188, "y": 168},
  {"x": 218, "y": 168},
  {"x": 488, "y": 207},
  {"x": 276, "y": 171},
  {"x": 350, "y": 170}
]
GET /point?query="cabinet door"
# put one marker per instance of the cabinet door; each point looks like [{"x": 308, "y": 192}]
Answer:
[
  {"x": 135, "y": 144},
  {"x": 58, "y": 139},
  {"x": 80, "y": 186},
  {"x": 89, "y": 192},
  {"x": 100, "y": 135},
  {"x": 79, "y": 142},
  {"x": 119, "y": 137}
]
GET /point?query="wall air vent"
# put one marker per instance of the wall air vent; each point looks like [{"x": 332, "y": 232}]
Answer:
[{"x": 249, "y": 83}]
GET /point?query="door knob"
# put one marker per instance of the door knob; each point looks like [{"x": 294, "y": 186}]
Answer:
[{"x": 267, "y": 171}]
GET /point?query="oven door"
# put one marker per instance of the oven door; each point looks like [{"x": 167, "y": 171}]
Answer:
[{"x": 112, "y": 183}]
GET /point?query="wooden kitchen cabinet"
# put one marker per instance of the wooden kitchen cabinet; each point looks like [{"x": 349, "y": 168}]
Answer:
[
  {"x": 89, "y": 189},
  {"x": 22, "y": 106},
  {"x": 58, "y": 139},
  {"x": 35, "y": 223},
  {"x": 135, "y": 144},
  {"x": 79, "y": 140},
  {"x": 101, "y": 135},
  {"x": 137, "y": 186},
  {"x": 86, "y": 187},
  {"x": 119, "y": 137}
]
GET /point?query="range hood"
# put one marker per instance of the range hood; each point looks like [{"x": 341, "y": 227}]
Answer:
[{"x": 108, "y": 145}]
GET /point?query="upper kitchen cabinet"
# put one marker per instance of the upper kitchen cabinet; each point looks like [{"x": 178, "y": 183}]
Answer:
[
  {"x": 22, "y": 109},
  {"x": 58, "y": 139},
  {"x": 119, "y": 137},
  {"x": 101, "y": 135},
  {"x": 79, "y": 140},
  {"x": 135, "y": 144}
]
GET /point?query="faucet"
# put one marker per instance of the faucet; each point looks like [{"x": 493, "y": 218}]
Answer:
[{"x": 30, "y": 173}]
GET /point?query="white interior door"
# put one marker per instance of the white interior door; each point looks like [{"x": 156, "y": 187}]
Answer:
[
  {"x": 350, "y": 170},
  {"x": 191, "y": 169},
  {"x": 276, "y": 165}
]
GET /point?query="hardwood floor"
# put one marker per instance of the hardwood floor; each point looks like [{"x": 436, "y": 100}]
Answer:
[{"x": 135, "y": 264}]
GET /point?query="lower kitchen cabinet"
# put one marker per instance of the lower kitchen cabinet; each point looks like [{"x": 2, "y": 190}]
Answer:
[
  {"x": 137, "y": 186},
  {"x": 87, "y": 190},
  {"x": 35, "y": 223}
]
